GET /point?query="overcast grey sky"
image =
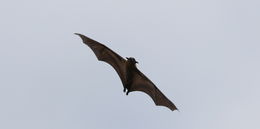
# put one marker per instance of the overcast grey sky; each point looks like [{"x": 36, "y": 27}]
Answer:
[{"x": 203, "y": 54}]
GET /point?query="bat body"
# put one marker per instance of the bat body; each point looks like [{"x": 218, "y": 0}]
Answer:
[{"x": 131, "y": 78}]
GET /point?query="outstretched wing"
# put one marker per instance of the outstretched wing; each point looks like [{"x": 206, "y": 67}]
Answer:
[
  {"x": 142, "y": 83},
  {"x": 103, "y": 53}
]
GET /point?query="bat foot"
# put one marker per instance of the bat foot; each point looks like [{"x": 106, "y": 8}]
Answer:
[
  {"x": 124, "y": 90},
  {"x": 127, "y": 92}
]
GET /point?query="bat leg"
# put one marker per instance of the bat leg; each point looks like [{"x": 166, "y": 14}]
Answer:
[
  {"x": 124, "y": 89},
  {"x": 127, "y": 92}
]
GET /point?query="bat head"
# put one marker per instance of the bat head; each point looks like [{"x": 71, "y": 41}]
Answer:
[{"x": 132, "y": 60}]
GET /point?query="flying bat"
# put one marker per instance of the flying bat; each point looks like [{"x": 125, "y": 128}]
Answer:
[{"x": 131, "y": 78}]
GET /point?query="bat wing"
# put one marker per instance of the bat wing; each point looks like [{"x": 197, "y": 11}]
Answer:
[
  {"x": 142, "y": 83},
  {"x": 103, "y": 53}
]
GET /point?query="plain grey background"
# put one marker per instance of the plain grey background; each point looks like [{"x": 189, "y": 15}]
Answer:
[{"x": 203, "y": 54}]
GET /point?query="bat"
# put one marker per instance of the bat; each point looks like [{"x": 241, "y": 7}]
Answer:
[{"x": 131, "y": 78}]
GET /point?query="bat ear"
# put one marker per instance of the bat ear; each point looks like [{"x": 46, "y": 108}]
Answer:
[{"x": 126, "y": 57}]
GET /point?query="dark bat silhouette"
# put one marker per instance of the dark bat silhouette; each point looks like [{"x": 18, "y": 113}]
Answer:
[{"x": 131, "y": 77}]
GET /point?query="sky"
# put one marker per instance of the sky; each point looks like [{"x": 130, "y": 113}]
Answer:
[{"x": 202, "y": 54}]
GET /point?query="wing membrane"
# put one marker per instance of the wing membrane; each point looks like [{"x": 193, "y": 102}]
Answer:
[
  {"x": 103, "y": 53},
  {"x": 142, "y": 83}
]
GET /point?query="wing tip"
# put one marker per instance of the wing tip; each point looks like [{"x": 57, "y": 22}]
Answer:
[
  {"x": 78, "y": 34},
  {"x": 172, "y": 108},
  {"x": 175, "y": 109},
  {"x": 83, "y": 37}
]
